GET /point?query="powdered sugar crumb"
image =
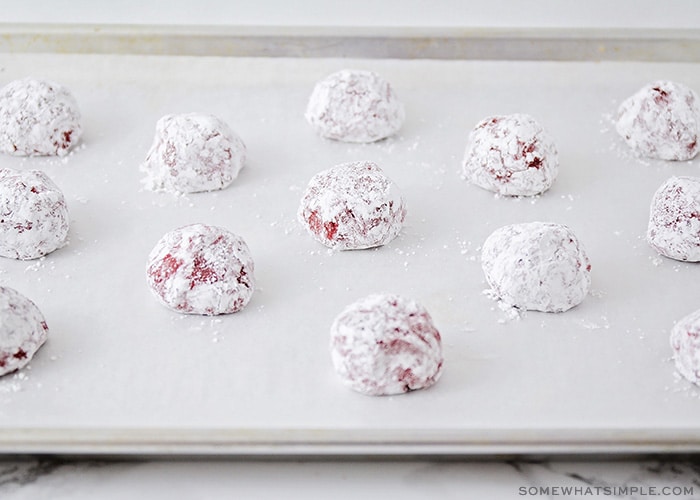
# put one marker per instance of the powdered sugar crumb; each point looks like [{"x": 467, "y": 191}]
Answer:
[
  {"x": 591, "y": 325},
  {"x": 511, "y": 313},
  {"x": 38, "y": 264}
]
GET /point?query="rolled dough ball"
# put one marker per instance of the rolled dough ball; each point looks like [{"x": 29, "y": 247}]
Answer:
[
  {"x": 200, "y": 269},
  {"x": 685, "y": 342},
  {"x": 661, "y": 121},
  {"x": 352, "y": 206},
  {"x": 538, "y": 266},
  {"x": 385, "y": 344},
  {"x": 354, "y": 106},
  {"x": 23, "y": 330},
  {"x": 33, "y": 214},
  {"x": 38, "y": 118},
  {"x": 191, "y": 153},
  {"x": 511, "y": 155},
  {"x": 674, "y": 219}
]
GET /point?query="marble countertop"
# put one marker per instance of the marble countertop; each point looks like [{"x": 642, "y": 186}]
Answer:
[{"x": 218, "y": 479}]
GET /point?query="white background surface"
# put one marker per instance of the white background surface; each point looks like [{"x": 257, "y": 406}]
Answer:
[{"x": 453, "y": 13}]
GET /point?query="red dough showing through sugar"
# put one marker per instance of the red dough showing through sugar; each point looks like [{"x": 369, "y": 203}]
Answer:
[
  {"x": 23, "y": 330},
  {"x": 38, "y": 118},
  {"x": 674, "y": 219},
  {"x": 200, "y": 269},
  {"x": 33, "y": 214},
  {"x": 352, "y": 206},
  {"x": 385, "y": 344},
  {"x": 661, "y": 121},
  {"x": 512, "y": 155}
]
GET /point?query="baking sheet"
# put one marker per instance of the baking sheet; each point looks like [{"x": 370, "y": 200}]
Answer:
[
  {"x": 121, "y": 373},
  {"x": 416, "y": 42}
]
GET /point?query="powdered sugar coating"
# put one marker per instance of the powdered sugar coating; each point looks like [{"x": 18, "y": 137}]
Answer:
[
  {"x": 385, "y": 344},
  {"x": 193, "y": 152},
  {"x": 662, "y": 121},
  {"x": 33, "y": 214},
  {"x": 200, "y": 269},
  {"x": 538, "y": 266},
  {"x": 352, "y": 206},
  {"x": 685, "y": 342},
  {"x": 511, "y": 155},
  {"x": 674, "y": 219},
  {"x": 23, "y": 330},
  {"x": 354, "y": 106},
  {"x": 38, "y": 118}
]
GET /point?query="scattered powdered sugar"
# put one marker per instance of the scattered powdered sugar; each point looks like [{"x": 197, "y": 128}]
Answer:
[
  {"x": 15, "y": 382},
  {"x": 354, "y": 106},
  {"x": 589, "y": 324},
  {"x": 511, "y": 155},
  {"x": 656, "y": 260},
  {"x": 466, "y": 250},
  {"x": 36, "y": 265}
]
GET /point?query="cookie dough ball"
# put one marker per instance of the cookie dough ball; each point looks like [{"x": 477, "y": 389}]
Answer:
[
  {"x": 33, "y": 215},
  {"x": 674, "y": 220},
  {"x": 354, "y": 106},
  {"x": 352, "y": 206},
  {"x": 539, "y": 266},
  {"x": 661, "y": 121},
  {"x": 685, "y": 342},
  {"x": 23, "y": 330},
  {"x": 38, "y": 118},
  {"x": 191, "y": 153},
  {"x": 511, "y": 155},
  {"x": 385, "y": 344},
  {"x": 200, "y": 269}
]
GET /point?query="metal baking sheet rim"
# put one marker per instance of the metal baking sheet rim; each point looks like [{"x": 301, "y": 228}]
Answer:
[
  {"x": 345, "y": 443},
  {"x": 555, "y": 44}
]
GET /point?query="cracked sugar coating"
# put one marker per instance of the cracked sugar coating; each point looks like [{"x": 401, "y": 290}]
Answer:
[
  {"x": 200, "y": 269},
  {"x": 661, "y": 121},
  {"x": 23, "y": 330},
  {"x": 538, "y": 266},
  {"x": 191, "y": 153},
  {"x": 354, "y": 106},
  {"x": 385, "y": 344},
  {"x": 38, "y": 118},
  {"x": 674, "y": 219},
  {"x": 33, "y": 215},
  {"x": 352, "y": 206},
  {"x": 685, "y": 343},
  {"x": 511, "y": 155}
]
